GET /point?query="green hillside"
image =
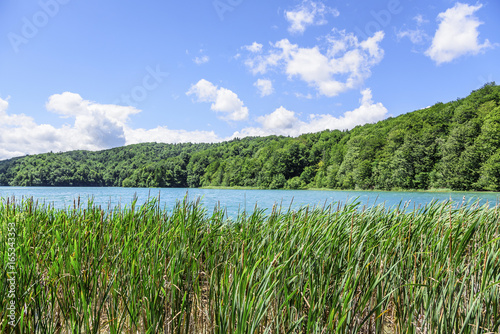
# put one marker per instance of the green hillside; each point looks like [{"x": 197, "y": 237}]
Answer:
[{"x": 455, "y": 145}]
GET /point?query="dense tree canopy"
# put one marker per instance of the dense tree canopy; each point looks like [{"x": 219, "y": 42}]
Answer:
[{"x": 454, "y": 145}]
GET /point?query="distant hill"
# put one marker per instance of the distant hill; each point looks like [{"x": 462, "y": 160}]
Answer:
[{"x": 453, "y": 145}]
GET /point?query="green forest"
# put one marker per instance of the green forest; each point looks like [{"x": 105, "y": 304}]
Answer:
[{"x": 453, "y": 145}]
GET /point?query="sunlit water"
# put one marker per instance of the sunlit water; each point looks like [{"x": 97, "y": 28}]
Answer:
[{"x": 237, "y": 200}]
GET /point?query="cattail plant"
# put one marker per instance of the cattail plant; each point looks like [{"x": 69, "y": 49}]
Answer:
[{"x": 336, "y": 269}]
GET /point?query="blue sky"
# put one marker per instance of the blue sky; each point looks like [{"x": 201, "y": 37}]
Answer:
[{"x": 98, "y": 74}]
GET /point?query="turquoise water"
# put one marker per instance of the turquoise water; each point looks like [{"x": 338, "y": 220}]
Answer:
[{"x": 237, "y": 200}]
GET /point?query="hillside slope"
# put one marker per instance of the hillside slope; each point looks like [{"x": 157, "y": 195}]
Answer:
[{"x": 454, "y": 145}]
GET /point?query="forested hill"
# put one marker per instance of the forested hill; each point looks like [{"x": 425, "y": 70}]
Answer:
[{"x": 454, "y": 145}]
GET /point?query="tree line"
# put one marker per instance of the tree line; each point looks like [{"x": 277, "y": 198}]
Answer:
[{"x": 453, "y": 145}]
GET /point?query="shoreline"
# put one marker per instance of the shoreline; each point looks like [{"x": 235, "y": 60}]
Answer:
[
  {"x": 434, "y": 190},
  {"x": 354, "y": 190}
]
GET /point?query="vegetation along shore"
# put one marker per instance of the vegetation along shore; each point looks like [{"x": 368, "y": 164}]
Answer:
[
  {"x": 453, "y": 145},
  {"x": 181, "y": 270}
]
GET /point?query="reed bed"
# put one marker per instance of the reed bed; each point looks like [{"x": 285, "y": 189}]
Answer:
[{"x": 337, "y": 269}]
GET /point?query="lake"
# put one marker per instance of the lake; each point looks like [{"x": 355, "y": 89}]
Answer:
[{"x": 235, "y": 200}]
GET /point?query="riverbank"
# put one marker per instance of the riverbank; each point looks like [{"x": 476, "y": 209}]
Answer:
[{"x": 432, "y": 190}]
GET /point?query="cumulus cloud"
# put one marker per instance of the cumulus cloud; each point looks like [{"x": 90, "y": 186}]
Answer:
[
  {"x": 306, "y": 14},
  {"x": 223, "y": 100},
  {"x": 343, "y": 65},
  {"x": 281, "y": 118},
  {"x": 71, "y": 104},
  {"x": 264, "y": 86},
  {"x": 94, "y": 127},
  {"x": 285, "y": 122},
  {"x": 98, "y": 125},
  {"x": 204, "y": 90},
  {"x": 20, "y": 135},
  {"x": 457, "y": 34}
]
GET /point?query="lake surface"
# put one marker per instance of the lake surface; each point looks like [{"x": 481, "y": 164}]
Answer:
[{"x": 237, "y": 200}]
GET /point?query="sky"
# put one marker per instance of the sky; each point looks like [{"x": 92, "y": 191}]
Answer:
[{"x": 93, "y": 75}]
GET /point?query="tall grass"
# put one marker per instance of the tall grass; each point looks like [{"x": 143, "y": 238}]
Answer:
[{"x": 333, "y": 270}]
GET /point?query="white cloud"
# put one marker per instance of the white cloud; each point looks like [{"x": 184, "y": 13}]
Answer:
[
  {"x": 95, "y": 127},
  {"x": 281, "y": 118},
  {"x": 223, "y": 100},
  {"x": 344, "y": 65},
  {"x": 284, "y": 122},
  {"x": 99, "y": 125},
  {"x": 201, "y": 60},
  {"x": 71, "y": 104},
  {"x": 20, "y": 135},
  {"x": 229, "y": 103},
  {"x": 254, "y": 47},
  {"x": 306, "y": 14},
  {"x": 457, "y": 34},
  {"x": 204, "y": 90},
  {"x": 67, "y": 104},
  {"x": 264, "y": 86}
]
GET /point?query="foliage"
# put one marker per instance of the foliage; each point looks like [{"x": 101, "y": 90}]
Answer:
[{"x": 454, "y": 145}]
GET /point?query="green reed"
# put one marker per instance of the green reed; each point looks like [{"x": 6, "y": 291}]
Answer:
[{"x": 338, "y": 269}]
